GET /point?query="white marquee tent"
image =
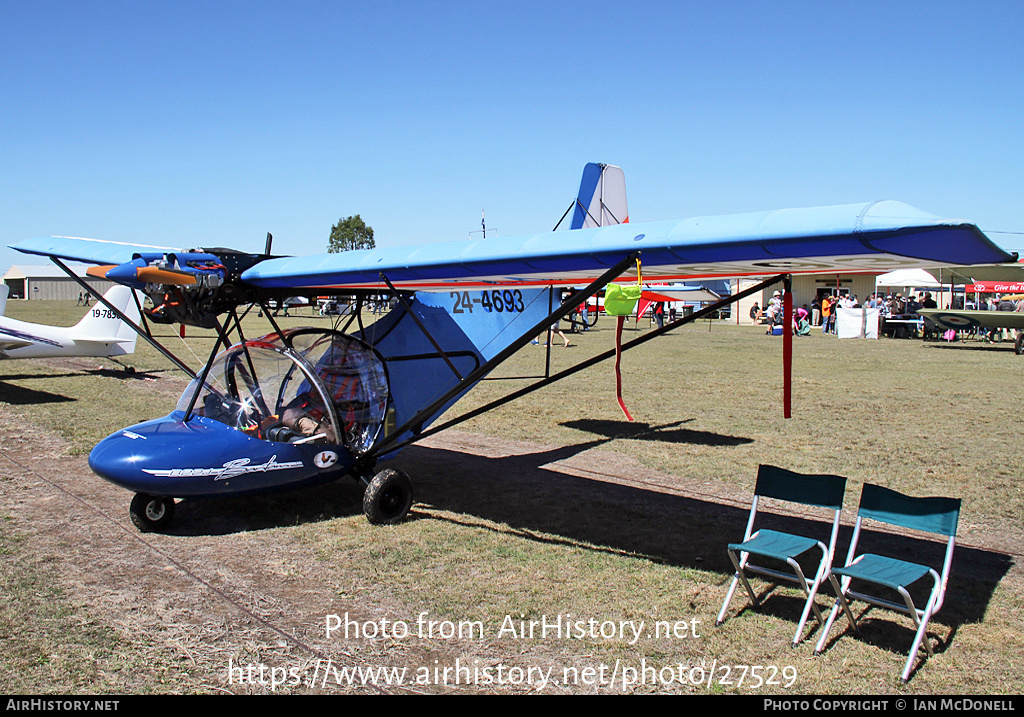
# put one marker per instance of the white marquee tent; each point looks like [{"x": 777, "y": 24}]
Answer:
[{"x": 906, "y": 278}]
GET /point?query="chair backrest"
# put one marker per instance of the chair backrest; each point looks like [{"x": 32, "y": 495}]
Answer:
[
  {"x": 821, "y": 490},
  {"x": 933, "y": 514}
]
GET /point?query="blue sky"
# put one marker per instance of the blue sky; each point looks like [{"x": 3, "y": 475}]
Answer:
[{"x": 212, "y": 123}]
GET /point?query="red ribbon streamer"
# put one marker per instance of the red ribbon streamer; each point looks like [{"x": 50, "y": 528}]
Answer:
[{"x": 618, "y": 373}]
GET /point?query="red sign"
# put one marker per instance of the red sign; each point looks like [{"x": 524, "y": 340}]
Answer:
[{"x": 998, "y": 287}]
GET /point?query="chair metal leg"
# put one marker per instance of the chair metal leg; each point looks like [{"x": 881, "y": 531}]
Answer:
[
  {"x": 834, "y": 613},
  {"x": 728, "y": 599},
  {"x": 809, "y": 592},
  {"x": 921, "y": 636},
  {"x": 918, "y": 622},
  {"x": 740, "y": 563}
]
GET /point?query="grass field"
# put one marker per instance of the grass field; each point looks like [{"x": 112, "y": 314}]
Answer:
[{"x": 923, "y": 418}]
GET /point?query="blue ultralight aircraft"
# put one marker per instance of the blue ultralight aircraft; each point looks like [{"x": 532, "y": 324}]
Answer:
[{"x": 303, "y": 406}]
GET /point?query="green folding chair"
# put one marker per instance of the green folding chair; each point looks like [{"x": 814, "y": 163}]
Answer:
[
  {"x": 767, "y": 552},
  {"x": 933, "y": 515}
]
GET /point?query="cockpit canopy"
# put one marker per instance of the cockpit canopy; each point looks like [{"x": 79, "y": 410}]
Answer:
[{"x": 301, "y": 386}]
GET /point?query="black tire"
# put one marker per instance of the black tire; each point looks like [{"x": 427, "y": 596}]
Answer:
[
  {"x": 388, "y": 497},
  {"x": 151, "y": 513},
  {"x": 1018, "y": 347}
]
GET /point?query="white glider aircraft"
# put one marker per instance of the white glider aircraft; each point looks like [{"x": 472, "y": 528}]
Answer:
[{"x": 101, "y": 332}]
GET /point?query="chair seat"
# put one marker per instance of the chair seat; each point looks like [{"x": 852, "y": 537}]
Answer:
[
  {"x": 773, "y": 544},
  {"x": 879, "y": 569}
]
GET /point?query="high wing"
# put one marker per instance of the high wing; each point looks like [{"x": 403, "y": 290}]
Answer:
[
  {"x": 90, "y": 251},
  {"x": 878, "y": 236},
  {"x": 870, "y": 237}
]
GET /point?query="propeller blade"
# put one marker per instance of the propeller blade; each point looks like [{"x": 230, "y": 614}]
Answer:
[
  {"x": 100, "y": 272},
  {"x": 153, "y": 275}
]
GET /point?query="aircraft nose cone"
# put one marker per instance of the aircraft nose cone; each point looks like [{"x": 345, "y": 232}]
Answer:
[
  {"x": 127, "y": 273},
  {"x": 204, "y": 458}
]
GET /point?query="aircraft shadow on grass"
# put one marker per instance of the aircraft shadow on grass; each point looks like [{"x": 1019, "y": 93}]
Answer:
[
  {"x": 665, "y": 433},
  {"x": 998, "y": 347},
  {"x": 542, "y": 504},
  {"x": 522, "y": 496},
  {"x": 16, "y": 395}
]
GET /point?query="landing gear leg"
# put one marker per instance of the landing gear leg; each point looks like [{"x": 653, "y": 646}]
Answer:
[
  {"x": 388, "y": 497},
  {"x": 151, "y": 513}
]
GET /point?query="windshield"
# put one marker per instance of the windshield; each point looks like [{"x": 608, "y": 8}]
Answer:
[{"x": 325, "y": 388}]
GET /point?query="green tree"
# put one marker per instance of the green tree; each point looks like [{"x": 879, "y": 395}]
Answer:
[{"x": 350, "y": 233}]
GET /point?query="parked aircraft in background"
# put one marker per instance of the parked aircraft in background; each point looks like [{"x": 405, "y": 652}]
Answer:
[
  {"x": 101, "y": 332},
  {"x": 969, "y": 320}
]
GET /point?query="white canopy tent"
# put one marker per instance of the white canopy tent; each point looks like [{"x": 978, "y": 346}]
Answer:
[
  {"x": 942, "y": 289},
  {"x": 907, "y": 278}
]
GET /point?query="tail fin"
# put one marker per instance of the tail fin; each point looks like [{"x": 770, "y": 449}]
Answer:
[
  {"x": 101, "y": 325},
  {"x": 602, "y": 197}
]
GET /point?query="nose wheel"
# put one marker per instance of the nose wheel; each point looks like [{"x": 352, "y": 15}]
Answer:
[
  {"x": 388, "y": 497},
  {"x": 151, "y": 513}
]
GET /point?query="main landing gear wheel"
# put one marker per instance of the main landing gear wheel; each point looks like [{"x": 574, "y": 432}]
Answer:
[
  {"x": 388, "y": 497},
  {"x": 151, "y": 513},
  {"x": 1018, "y": 347}
]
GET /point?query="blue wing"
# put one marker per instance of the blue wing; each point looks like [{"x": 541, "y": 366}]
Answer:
[
  {"x": 878, "y": 236},
  {"x": 90, "y": 251},
  {"x": 871, "y": 237}
]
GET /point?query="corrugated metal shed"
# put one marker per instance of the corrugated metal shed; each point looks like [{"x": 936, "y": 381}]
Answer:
[{"x": 48, "y": 282}]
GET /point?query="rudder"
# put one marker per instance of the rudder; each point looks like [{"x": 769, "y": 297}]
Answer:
[
  {"x": 601, "y": 200},
  {"x": 100, "y": 324}
]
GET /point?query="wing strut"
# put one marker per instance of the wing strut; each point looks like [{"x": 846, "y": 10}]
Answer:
[
  {"x": 416, "y": 319},
  {"x": 223, "y": 332},
  {"x": 221, "y": 335},
  {"x": 707, "y": 311},
  {"x": 135, "y": 327},
  {"x": 387, "y": 443}
]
